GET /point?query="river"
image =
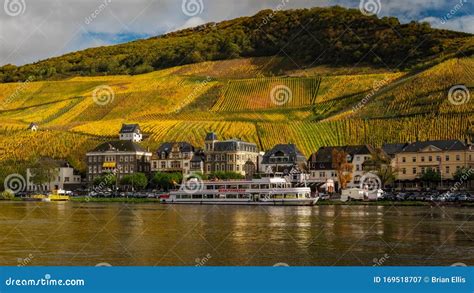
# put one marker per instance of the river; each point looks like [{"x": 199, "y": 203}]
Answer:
[{"x": 118, "y": 234}]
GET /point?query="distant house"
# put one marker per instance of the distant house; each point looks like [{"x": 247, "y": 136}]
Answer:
[
  {"x": 131, "y": 132},
  {"x": 281, "y": 159},
  {"x": 33, "y": 127},
  {"x": 62, "y": 176},
  {"x": 173, "y": 157}
]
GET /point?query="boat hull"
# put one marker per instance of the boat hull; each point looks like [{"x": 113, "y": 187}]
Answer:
[{"x": 275, "y": 202}]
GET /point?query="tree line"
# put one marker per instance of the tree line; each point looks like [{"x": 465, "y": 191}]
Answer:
[{"x": 334, "y": 35}]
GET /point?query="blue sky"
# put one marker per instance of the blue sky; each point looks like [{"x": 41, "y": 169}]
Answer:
[{"x": 33, "y": 30}]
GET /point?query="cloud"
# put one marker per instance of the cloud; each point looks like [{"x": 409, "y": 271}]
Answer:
[
  {"x": 47, "y": 28},
  {"x": 463, "y": 23}
]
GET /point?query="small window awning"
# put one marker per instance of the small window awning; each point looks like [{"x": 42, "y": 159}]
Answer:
[{"x": 109, "y": 165}]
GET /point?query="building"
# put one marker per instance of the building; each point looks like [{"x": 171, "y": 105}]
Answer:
[
  {"x": 131, "y": 132},
  {"x": 173, "y": 157},
  {"x": 33, "y": 127},
  {"x": 122, "y": 156},
  {"x": 322, "y": 169},
  {"x": 281, "y": 159},
  {"x": 391, "y": 149},
  {"x": 197, "y": 162},
  {"x": 443, "y": 156},
  {"x": 61, "y": 176},
  {"x": 229, "y": 155}
]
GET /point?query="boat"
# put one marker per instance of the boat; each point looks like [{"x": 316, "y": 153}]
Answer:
[
  {"x": 56, "y": 195},
  {"x": 265, "y": 191}
]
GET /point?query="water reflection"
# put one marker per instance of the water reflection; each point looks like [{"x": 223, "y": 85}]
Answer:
[{"x": 152, "y": 234}]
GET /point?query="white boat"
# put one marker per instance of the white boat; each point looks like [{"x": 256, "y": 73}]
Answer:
[{"x": 266, "y": 191}]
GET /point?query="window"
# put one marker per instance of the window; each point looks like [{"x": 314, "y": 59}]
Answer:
[
  {"x": 403, "y": 160},
  {"x": 66, "y": 179},
  {"x": 95, "y": 159},
  {"x": 357, "y": 167},
  {"x": 438, "y": 158},
  {"x": 447, "y": 169},
  {"x": 404, "y": 170},
  {"x": 126, "y": 159},
  {"x": 447, "y": 158},
  {"x": 414, "y": 159},
  {"x": 422, "y": 159},
  {"x": 90, "y": 159},
  {"x": 458, "y": 157},
  {"x": 322, "y": 174},
  {"x": 430, "y": 158},
  {"x": 414, "y": 170}
]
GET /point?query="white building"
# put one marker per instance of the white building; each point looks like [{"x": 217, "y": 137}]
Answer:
[
  {"x": 62, "y": 177},
  {"x": 131, "y": 132}
]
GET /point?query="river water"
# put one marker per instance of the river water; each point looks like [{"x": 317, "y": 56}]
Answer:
[{"x": 118, "y": 234}]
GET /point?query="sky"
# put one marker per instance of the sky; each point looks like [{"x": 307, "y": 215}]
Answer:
[{"x": 33, "y": 30}]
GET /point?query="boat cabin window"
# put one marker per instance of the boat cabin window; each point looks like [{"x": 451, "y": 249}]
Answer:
[
  {"x": 231, "y": 196},
  {"x": 255, "y": 186}
]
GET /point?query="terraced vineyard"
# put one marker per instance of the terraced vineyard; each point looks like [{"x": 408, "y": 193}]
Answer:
[
  {"x": 267, "y": 93},
  {"x": 179, "y": 104}
]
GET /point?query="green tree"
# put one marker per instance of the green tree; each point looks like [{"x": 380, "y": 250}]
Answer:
[
  {"x": 137, "y": 181},
  {"x": 44, "y": 171},
  {"x": 220, "y": 175},
  {"x": 167, "y": 181},
  {"x": 107, "y": 180},
  {"x": 430, "y": 175},
  {"x": 7, "y": 195},
  {"x": 379, "y": 164}
]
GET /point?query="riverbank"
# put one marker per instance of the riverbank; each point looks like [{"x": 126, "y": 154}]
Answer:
[
  {"x": 115, "y": 199},
  {"x": 321, "y": 202}
]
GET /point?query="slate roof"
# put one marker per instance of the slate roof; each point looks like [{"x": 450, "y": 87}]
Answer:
[
  {"x": 324, "y": 154},
  {"x": 284, "y": 150},
  {"x": 210, "y": 136},
  {"x": 130, "y": 128},
  {"x": 119, "y": 145},
  {"x": 184, "y": 147},
  {"x": 198, "y": 156},
  {"x": 233, "y": 145},
  {"x": 393, "y": 148},
  {"x": 445, "y": 145}
]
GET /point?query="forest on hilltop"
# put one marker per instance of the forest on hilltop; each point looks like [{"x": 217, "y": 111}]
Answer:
[{"x": 311, "y": 37}]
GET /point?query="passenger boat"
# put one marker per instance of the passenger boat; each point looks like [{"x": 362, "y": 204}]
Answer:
[{"x": 266, "y": 191}]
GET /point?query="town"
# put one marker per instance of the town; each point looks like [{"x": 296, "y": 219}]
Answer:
[{"x": 123, "y": 167}]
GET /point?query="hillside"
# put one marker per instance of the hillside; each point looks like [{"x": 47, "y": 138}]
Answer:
[
  {"x": 310, "y": 37},
  {"x": 179, "y": 103}
]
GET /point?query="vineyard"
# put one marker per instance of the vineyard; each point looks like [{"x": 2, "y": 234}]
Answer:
[
  {"x": 267, "y": 93},
  {"x": 179, "y": 104}
]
